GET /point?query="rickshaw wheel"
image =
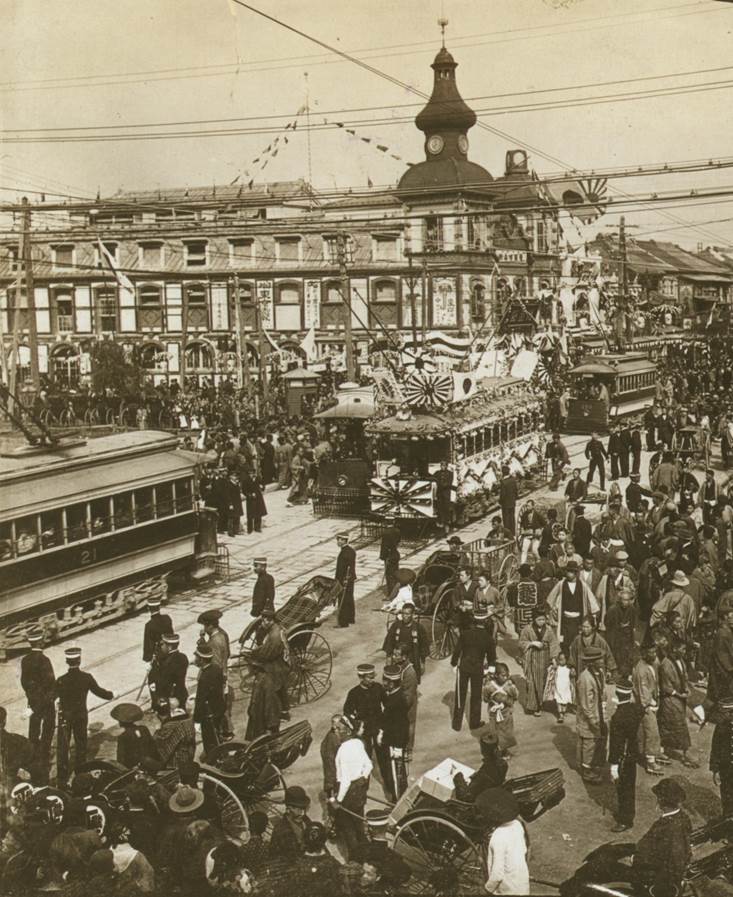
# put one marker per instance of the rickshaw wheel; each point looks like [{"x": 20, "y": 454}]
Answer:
[
  {"x": 444, "y": 629},
  {"x": 234, "y": 820},
  {"x": 246, "y": 676},
  {"x": 507, "y": 572},
  {"x": 431, "y": 845},
  {"x": 271, "y": 802},
  {"x": 311, "y": 663}
]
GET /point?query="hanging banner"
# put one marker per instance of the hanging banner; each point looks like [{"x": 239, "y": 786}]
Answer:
[
  {"x": 219, "y": 306},
  {"x": 265, "y": 300},
  {"x": 312, "y": 304},
  {"x": 445, "y": 305},
  {"x": 413, "y": 284}
]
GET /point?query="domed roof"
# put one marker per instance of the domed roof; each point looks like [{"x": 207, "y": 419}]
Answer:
[
  {"x": 444, "y": 174},
  {"x": 446, "y": 110}
]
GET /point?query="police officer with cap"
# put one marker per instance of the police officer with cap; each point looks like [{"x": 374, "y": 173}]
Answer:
[
  {"x": 218, "y": 641},
  {"x": 155, "y": 628},
  {"x": 393, "y": 734},
  {"x": 208, "y": 709},
  {"x": 346, "y": 575},
  {"x": 39, "y": 684},
  {"x": 263, "y": 593},
  {"x": 475, "y": 649},
  {"x": 623, "y": 752},
  {"x": 172, "y": 670},
  {"x": 72, "y": 689},
  {"x": 364, "y": 703},
  {"x": 662, "y": 855}
]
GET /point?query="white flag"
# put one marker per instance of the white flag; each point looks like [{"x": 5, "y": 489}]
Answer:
[
  {"x": 106, "y": 258},
  {"x": 309, "y": 345}
]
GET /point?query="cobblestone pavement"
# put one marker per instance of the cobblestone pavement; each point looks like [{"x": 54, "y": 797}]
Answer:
[{"x": 298, "y": 546}]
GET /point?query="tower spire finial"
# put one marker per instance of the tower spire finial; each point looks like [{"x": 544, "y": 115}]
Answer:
[{"x": 443, "y": 23}]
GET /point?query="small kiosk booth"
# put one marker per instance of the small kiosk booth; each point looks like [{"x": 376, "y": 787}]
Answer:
[{"x": 299, "y": 383}]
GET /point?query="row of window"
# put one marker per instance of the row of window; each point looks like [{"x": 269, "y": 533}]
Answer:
[
  {"x": 85, "y": 520},
  {"x": 634, "y": 382},
  {"x": 488, "y": 437}
]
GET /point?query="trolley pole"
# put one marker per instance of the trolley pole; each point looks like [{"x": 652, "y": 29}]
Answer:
[
  {"x": 346, "y": 296},
  {"x": 31, "y": 299}
]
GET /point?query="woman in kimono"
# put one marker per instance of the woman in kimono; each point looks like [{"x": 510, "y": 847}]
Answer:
[
  {"x": 673, "y": 694},
  {"x": 538, "y": 648}
]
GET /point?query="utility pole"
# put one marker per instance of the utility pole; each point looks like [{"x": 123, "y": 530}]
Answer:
[
  {"x": 424, "y": 302},
  {"x": 242, "y": 354},
  {"x": 346, "y": 296},
  {"x": 261, "y": 348},
  {"x": 622, "y": 319},
  {"x": 31, "y": 299},
  {"x": 413, "y": 309}
]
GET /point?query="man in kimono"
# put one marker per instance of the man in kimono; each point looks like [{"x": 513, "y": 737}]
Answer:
[
  {"x": 569, "y": 601},
  {"x": 646, "y": 694},
  {"x": 616, "y": 579}
]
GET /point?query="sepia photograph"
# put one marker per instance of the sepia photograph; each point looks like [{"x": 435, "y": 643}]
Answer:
[{"x": 366, "y": 448}]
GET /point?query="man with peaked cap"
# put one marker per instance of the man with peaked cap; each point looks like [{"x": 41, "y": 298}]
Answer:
[
  {"x": 208, "y": 709},
  {"x": 157, "y": 625},
  {"x": 582, "y": 532},
  {"x": 474, "y": 650},
  {"x": 263, "y": 593},
  {"x": 635, "y": 493},
  {"x": 364, "y": 703},
  {"x": 623, "y": 752},
  {"x": 662, "y": 854},
  {"x": 72, "y": 689},
  {"x": 135, "y": 743},
  {"x": 408, "y": 633},
  {"x": 409, "y": 682},
  {"x": 172, "y": 670},
  {"x": 346, "y": 575},
  {"x": 591, "y": 725},
  {"x": 721, "y": 754},
  {"x": 389, "y": 553},
  {"x": 218, "y": 641},
  {"x": 393, "y": 735},
  {"x": 39, "y": 684}
]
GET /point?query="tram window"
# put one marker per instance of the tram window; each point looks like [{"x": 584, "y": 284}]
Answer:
[
  {"x": 52, "y": 529},
  {"x": 144, "y": 504},
  {"x": 26, "y": 535},
  {"x": 479, "y": 440},
  {"x": 184, "y": 501},
  {"x": 76, "y": 523},
  {"x": 164, "y": 499},
  {"x": 488, "y": 438},
  {"x": 101, "y": 522},
  {"x": 123, "y": 510},
  {"x": 504, "y": 432},
  {"x": 6, "y": 542},
  {"x": 497, "y": 435}
]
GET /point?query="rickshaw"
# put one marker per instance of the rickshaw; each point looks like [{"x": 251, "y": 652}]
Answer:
[
  {"x": 433, "y": 832},
  {"x": 692, "y": 443},
  {"x": 310, "y": 655}
]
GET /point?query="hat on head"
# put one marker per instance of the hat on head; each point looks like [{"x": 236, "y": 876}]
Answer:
[
  {"x": 635, "y": 476},
  {"x": 616, "y": 543},
  {"x": 405, "y": 576},
  {"x": 679, "y": 578},
  {"x": 392, "y": 673},
  {"x": 295, "y": 796},
  {"x": 497, "y": 805},
  {"x": 260, "y": 560},
  {"x": 571, "y": 566},
  {"x": 185, "y": 799},
  {"x": 153, "y": 604},
  {"x": 455, "y": 540},
  {"x": 580, "y": 510},
  {"x": 35, "y": 637},
  {"x": 410, "y": 604},
  {"x": 342, "y": 537},
  {"x": 172, "y": 638},
  {"x": 72, "y": 655},
  {"x": 126, "y": 714},
  {"x": 364, "y": 669},
  {"x": 204, "y": 651},
  {"x": 268, "y": 613},
  {"x": 209, "y": 616},
  {"x": 670, "y": 792},
  {"x": 488, "y": 738},
  {"x": 539, "y": 611},
  {"x": 621, "y": 555},
  {"x": 592, "y": 653}
]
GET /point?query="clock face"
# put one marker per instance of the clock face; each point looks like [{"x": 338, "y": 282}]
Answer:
[
  {"x": 463, "y": 144},
  {"x": 435, "y": 144}
]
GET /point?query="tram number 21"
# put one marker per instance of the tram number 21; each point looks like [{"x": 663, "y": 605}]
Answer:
[{"x": 87, "y": 556}]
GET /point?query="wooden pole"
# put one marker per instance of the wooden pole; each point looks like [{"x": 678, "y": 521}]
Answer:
[
  {"x": 413, "y": 305},
  {"x": 346, "y": 296},
  {"x": 424, "y": 302},
  {"x": 242, "y": 353},
  {"x": 261, "y": 346},
  {"x": 31, "y": 299}
]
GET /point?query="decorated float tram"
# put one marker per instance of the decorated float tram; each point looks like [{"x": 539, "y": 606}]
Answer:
[
  {"x": 605, "y": 387},
  {"x": 89, "y": 531},
  {"x": 499, "y": 423}
]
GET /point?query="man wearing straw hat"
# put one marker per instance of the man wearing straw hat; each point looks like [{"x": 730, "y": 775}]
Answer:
[{"x": 72, "y": 689}]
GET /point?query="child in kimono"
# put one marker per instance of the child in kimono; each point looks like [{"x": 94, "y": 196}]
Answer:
[
  {"x": 500, "y": 693},
  {"x": 560, "y": 687}
]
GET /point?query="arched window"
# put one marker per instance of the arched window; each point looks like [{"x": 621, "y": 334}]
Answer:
[
  {"x": 199, "y": 357},
  {"x": 65, "y": 363}
]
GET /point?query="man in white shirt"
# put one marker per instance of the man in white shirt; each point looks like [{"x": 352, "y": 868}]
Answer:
[{"x": 353, "y": 768}]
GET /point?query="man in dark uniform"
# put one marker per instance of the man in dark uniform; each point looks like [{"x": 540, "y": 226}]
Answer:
[
  {"x": 443, "y": 492},
  {"x": 508, "y": 495},
  {"x": 635, "y": 492},
  {"x": 157, "y": 625},
  {"x": 218, "y": 640},
  {"x": 173, "y": 666},
  {"x": 389, "y": 554},
  {"x": 208, "y": 708},
  {"x": 263, "y": 594},
  {"x": 576, "y": 489},
  {"x": 364, "y": 702},
  {"x": 626, "y": 446},
  {"x": 410, "y": 634},
  {"x": 623, "y": 753},
  {"x": 39, "y": 684},
  {"x": 662, "y": 855},
  {"x": 596, "y": 454},
  {"x": 72, "y": 689},
  {"x": 346, "y": 575},
  {"x": 615, "y": 451},
  {"x": 393, "y": 735},
  {"x": 474, "y": 648},
  {"x": 650, "y": 423},
  {"x": 721, "y": 754},
  {"x": 582, "y": 532},
  {"x": 635, "y": 447}
]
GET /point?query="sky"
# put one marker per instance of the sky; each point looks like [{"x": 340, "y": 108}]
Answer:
[{"x": 101, "y": 64}]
